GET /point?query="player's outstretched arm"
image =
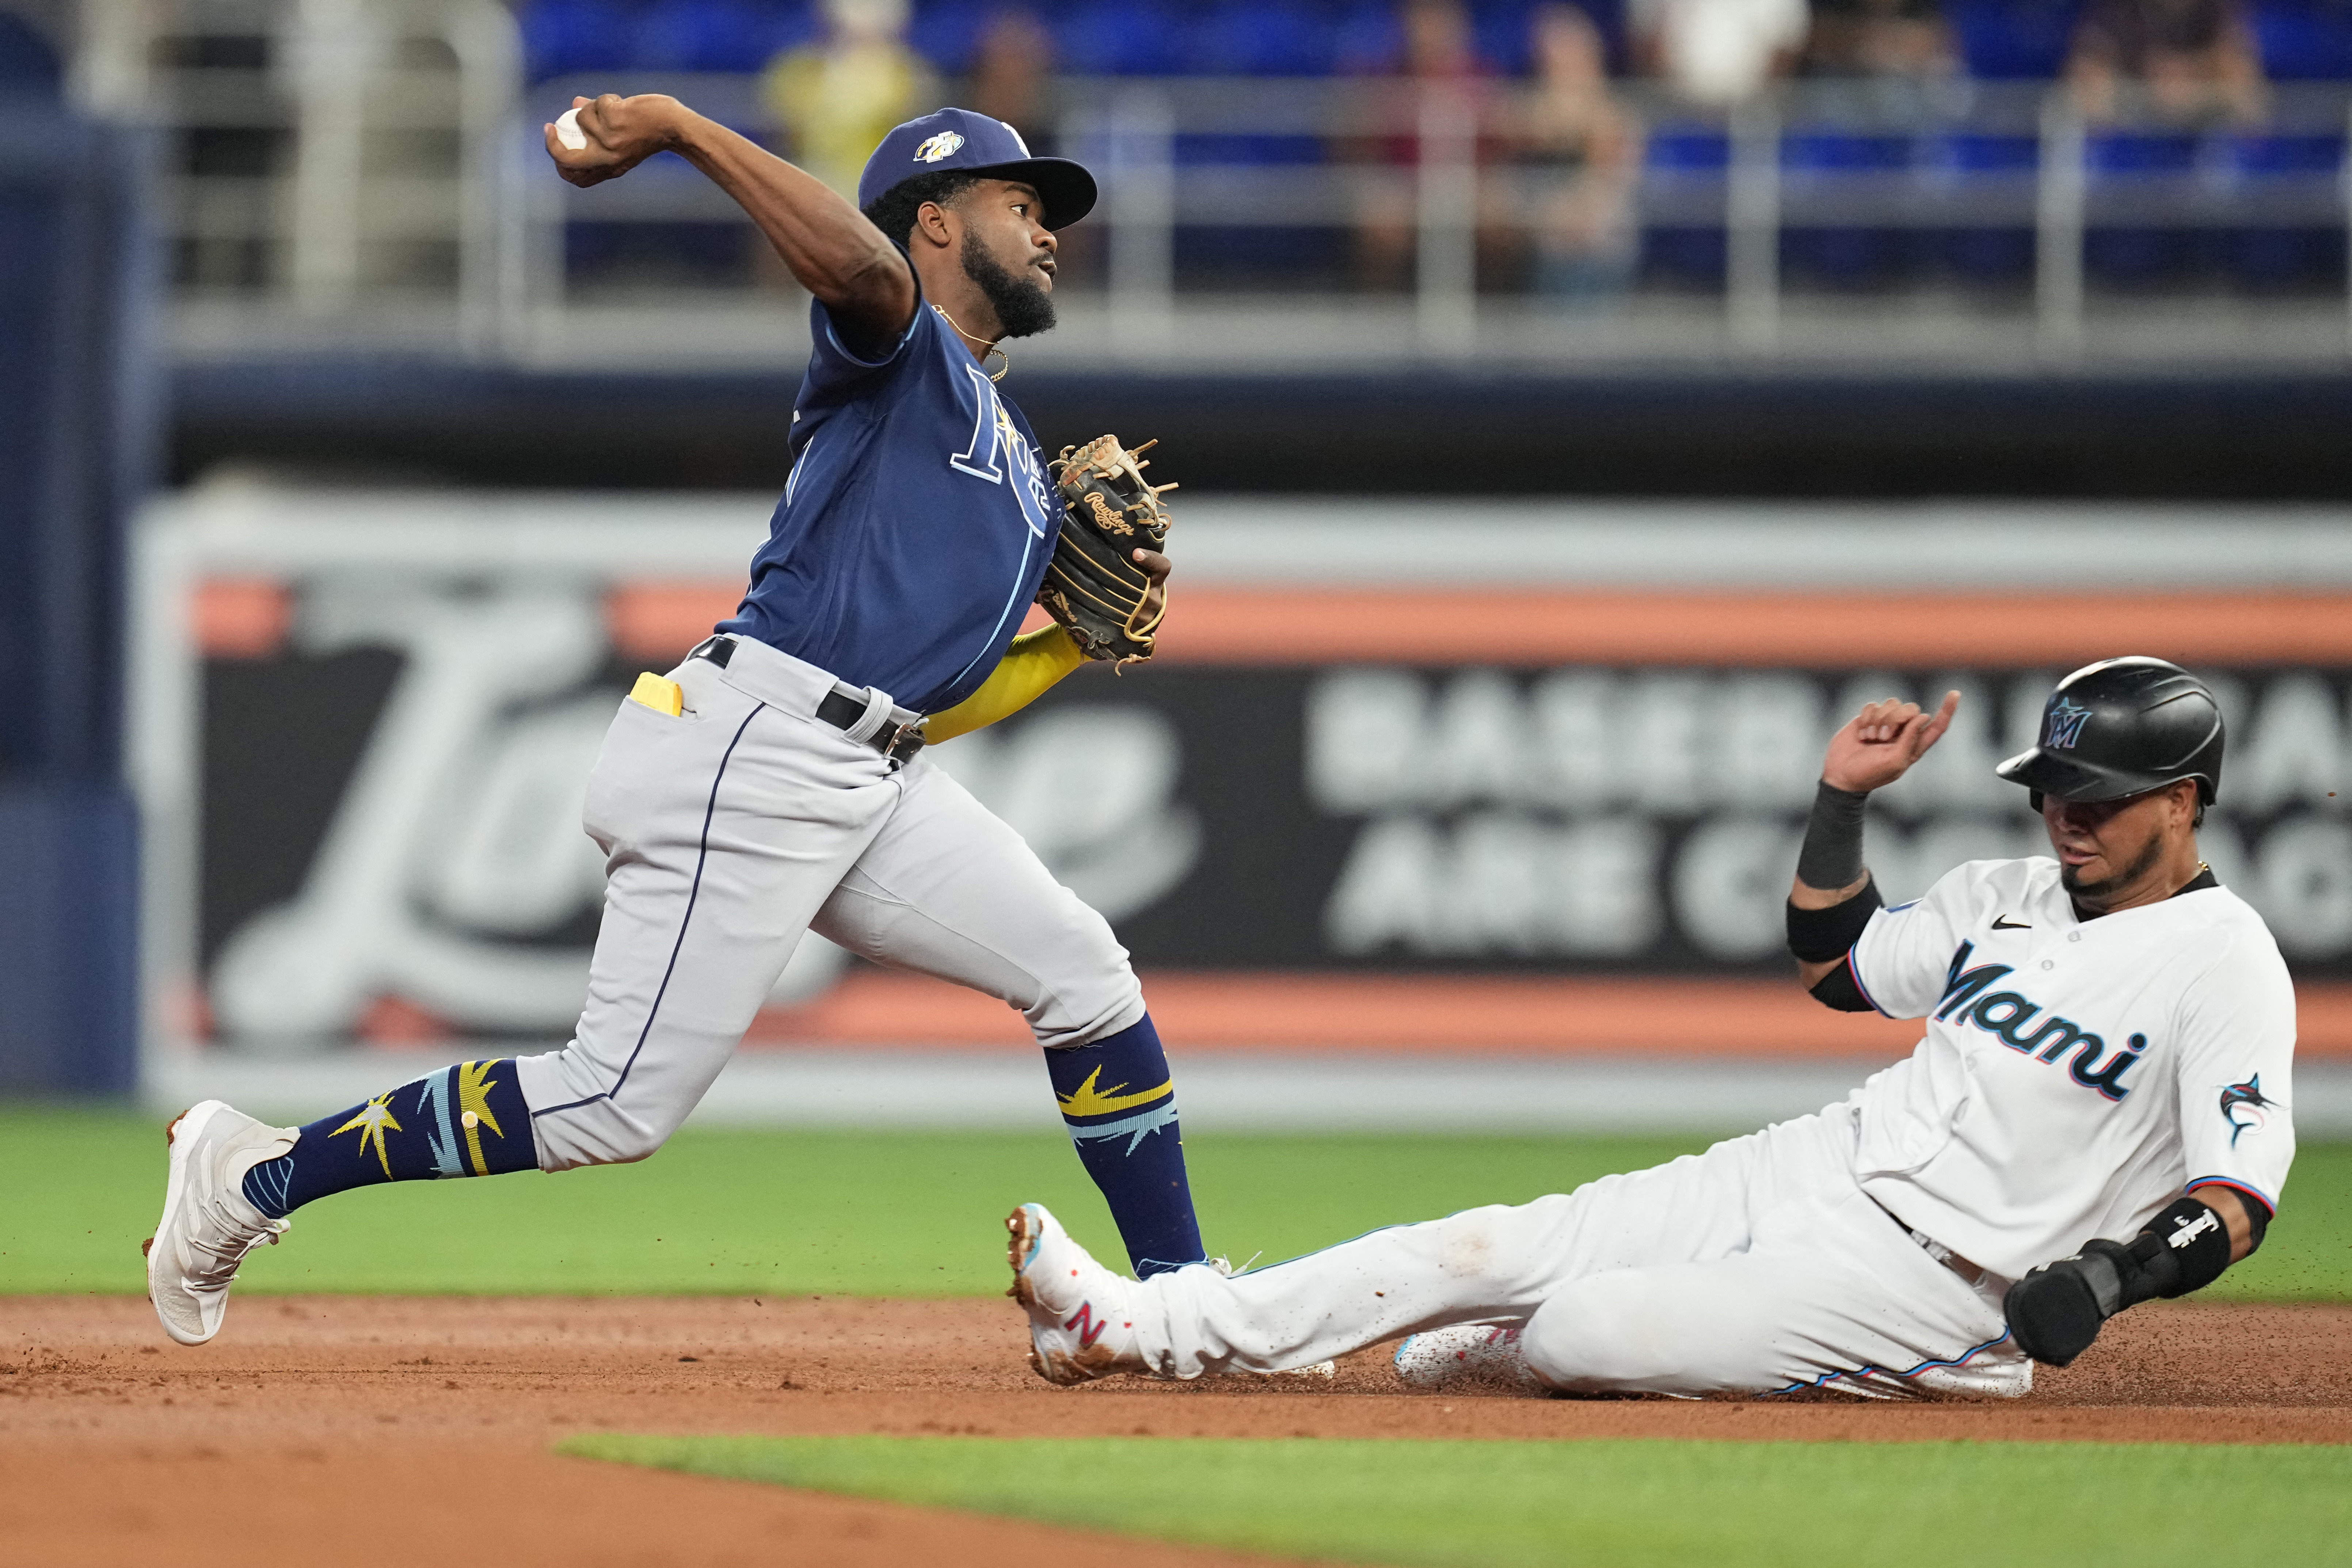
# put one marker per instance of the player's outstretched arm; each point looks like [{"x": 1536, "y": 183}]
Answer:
[
  {"x": 2056, "y": 1311},
  {"x": 1831, "y": 897},
  {"x": 830, "y": 248},
  {"x": 1032, "y": 666}
]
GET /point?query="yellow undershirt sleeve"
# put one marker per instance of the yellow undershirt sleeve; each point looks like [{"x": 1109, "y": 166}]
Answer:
[{"x": 1029, "y": 668}]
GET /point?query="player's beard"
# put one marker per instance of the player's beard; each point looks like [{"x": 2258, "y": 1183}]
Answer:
[
  {"x": 2070, "y": 877},
  {"x": 1022, "y": 306}
]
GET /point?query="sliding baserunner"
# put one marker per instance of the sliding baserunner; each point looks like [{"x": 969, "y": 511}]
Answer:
[{"x": 2098, "y": 1115}]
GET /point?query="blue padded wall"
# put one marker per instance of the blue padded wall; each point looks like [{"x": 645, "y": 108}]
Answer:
[{"x": 75, "y": 452}]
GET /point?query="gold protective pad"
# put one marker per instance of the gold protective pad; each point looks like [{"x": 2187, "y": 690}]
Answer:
[{"x": 658, "y": 692}]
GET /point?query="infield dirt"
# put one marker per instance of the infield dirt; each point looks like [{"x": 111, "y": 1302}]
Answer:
[{"x": 381, "y": 1430}]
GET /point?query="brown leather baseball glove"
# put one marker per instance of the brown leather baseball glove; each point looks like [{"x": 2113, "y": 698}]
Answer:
[{"x": 1094, "y": 586}]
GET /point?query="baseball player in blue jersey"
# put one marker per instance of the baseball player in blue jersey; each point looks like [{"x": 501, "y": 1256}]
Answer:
[{"x": 772, "y": 783}]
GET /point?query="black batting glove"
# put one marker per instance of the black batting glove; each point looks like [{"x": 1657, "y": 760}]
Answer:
[{"x": 2056, "y": 1312}]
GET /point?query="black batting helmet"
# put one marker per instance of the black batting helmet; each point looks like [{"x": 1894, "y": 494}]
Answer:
[{"x": 2123, "y": 726}]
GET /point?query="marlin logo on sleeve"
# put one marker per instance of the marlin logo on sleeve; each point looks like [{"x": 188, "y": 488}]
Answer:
[
  {"x": 2245, "y": 1107},
  {"x": 2062, "y": 727}
]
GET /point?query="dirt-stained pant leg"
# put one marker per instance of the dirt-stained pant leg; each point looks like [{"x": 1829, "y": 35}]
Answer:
[
  {"x": 947, "y": 889},
  {"x": 725, "y": 829},
  {"x": 1577, "y": 1267}
]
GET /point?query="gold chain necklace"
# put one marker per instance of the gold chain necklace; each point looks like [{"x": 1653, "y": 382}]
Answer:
[{"x": 986, "y": 348}]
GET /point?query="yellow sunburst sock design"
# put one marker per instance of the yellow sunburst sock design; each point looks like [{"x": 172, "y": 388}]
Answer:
[
  {"x": 433, "y": 1127},
  {"x": 1088, "y": 1100},
  {"x": 371, "y": 1120},
  {"x": 1118, "y": 1100},
  {"x": 474, "y": 1086}
]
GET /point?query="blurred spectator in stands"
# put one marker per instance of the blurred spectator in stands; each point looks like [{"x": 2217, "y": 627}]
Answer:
[
  {"x": 1892, "y": 59},
  {"x": 1439, "y": 58},
  {"x": 2180, "y": 60},
  {"x": 1011, "y": 77},
  {"x": 837, "y": 98},
  {"x": 1582, "y": 151},
  {"x": 1717, "y": 52}
]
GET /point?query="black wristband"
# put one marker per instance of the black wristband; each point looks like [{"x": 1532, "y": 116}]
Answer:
[
  {"x": 1831, "y": 855},
  {"x": 1820, "y": 935},
  {"x": 1837, "y": 989},
  {"x": 2183, "y": 1249}
]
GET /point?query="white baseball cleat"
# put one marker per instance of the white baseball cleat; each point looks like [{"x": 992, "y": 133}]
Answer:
[
  {"x": 1079, "y": 1325},
  {"x": 208, "y": 1226},
  {"x": 1467, "y": 1355}
]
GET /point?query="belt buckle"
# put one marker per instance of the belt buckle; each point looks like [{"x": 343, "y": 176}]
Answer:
[{"x": 904, "y": 740}]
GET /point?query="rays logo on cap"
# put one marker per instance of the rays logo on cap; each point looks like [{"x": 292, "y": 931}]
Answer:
[
  {"x": 935, "y": 148},
  {"x": 2063, "y": 727}
]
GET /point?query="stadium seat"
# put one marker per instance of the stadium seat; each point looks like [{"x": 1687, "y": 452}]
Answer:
[
  {"x": 1368, "y": 38},
  {"x": 2013, "y": 40},
  {"x": 2304, "y": 40},
  {"x": 562, "y": 38},
  {"x": 1280, "y": 39},
  {"x": 1820, "y": 160},
  {"x": 718, "y": 34},
  {"x": 946, "y": 32},
  {"x": 1499, "y": 31},
  {"x": 2138, "y": 164},
  {"x": 1684, "y": 168},
  {"x": 2298, "y": 173},
  {"x": 1120, "y": 37},
  {"x": 1963, "y": 168}
]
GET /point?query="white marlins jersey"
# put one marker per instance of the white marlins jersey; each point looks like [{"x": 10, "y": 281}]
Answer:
[{"x": 2075, "y": 1075}]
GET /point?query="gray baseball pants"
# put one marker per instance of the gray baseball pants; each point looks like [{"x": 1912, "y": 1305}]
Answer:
[{"x": 734, "y": 827}]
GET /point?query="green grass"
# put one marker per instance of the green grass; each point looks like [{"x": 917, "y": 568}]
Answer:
[
  {"x": 1626, "y": 1504},
  {"x": 900, "y": 1214}
]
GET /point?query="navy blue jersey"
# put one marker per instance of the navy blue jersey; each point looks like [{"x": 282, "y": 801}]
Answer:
[{"x": 917, "y": 524}]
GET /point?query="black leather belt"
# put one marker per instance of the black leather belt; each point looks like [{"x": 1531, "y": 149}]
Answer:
[
  {"x": 899, "y": 742},
  {"x": 1930, "y": 1246}
]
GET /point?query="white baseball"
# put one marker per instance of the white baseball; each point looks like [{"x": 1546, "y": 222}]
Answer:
[{"x": 568, "y": 131}]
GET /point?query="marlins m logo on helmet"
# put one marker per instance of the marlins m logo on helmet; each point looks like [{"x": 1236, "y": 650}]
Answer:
[
  {"x": 935, "y": 148},
  {"x": 2064, "y": 725}
]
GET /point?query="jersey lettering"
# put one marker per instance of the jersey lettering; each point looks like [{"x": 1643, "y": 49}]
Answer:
[
  {"x": 1037, "y": 495},
  {"x": 2006, "y": 1015},
  {"x": 987, "y": 424}
]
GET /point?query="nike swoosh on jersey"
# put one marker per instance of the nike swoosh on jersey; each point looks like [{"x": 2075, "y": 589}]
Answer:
[{"x": 2003, "y": 923}]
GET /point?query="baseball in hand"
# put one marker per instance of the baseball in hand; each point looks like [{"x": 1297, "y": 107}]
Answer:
[{"x": 568, "y": 131}]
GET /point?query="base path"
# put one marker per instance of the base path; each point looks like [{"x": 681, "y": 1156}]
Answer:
[{"x": 329, "y": 1426}]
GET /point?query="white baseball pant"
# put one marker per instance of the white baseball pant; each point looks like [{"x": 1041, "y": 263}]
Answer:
[
  {"x": 732, "y": 828},
  {"x": 1759, "y": 1265}
]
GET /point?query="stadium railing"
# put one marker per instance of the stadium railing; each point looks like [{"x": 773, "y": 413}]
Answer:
[{"x": 350, "y": 169}]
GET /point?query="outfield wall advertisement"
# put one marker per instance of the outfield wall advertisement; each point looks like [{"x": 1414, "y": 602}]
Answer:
[{"x": 366, "y": 729}]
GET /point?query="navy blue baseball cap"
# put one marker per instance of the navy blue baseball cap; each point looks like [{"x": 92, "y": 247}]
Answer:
[{"x": 970, "y": 143}]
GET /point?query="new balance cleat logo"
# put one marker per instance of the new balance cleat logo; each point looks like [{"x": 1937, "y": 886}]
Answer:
[{"x": 1088, "y": 1327}]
